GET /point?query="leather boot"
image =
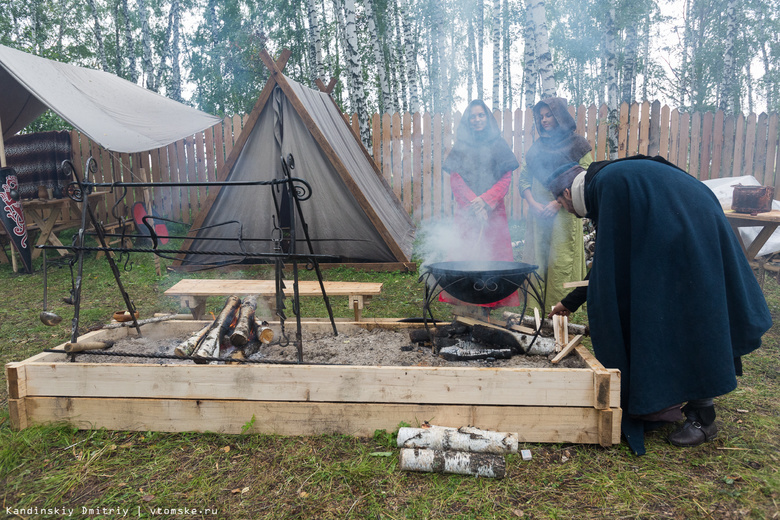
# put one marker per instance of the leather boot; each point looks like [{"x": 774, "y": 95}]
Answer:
[{"x": 699, "y": 427}]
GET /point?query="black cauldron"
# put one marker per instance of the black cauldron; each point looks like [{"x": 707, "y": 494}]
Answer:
[{"x": 480, "y": 282}]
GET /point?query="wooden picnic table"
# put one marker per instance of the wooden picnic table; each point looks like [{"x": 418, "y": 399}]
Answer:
[
  {"x": 767, "y": 221},
  {"x": 193, "y": 292}
]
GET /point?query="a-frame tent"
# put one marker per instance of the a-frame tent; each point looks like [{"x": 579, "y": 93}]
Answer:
[{"x": 353, "y": 213}]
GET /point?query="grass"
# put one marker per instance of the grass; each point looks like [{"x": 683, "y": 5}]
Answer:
[{"x": 255, "y": 476}]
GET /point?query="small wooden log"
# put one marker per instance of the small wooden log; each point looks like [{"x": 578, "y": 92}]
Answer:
[
  {"x": 246, "y": 320},
  {"x": 457, "y": 353},
  {"x": 264, "y": 333},
  {"x": 466, "y": 438},
  {"x": 565, "y": 351},
  {"x": 458, "y": 462},
  {"x": 155, "y": 319},
  {"x": 209, "y": 347},
  {"x": 188, "y": 346},
  {"x": 513, "y": 318},
  {"x": 87, "y": 345}
]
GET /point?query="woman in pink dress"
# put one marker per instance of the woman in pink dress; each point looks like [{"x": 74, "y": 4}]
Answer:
[{"x": 480, "y": 167}]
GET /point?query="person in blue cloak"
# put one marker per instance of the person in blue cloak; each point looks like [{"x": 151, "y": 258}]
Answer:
[{"x": 672, "y": 300}]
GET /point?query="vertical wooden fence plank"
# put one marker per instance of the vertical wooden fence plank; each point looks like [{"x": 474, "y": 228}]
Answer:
[
  {"x": 750, "y": 144},
  {"x": 623, "y": 130},
  {"x": 154, "y": 176},
  {"x": 634, "y": 127},
  {"x": 191, "y": 205},
  {"x": 643, "y": 142},
  {"x": 395, "y": 145},
  {"x": 717, "y": 145},
  {"x": 674, "y": 138},
  {"x": 739, "y": 146},
  {"x": 227, "y": 135},
  {"x": 759, "y": 160},
  {"x": 601, "y": 148},
  {"x": 166, "y": 202},
  {"x": 387, "y": 139},
  {"x": 427, "y": 172},
  {"x": 590, "y": 131},
  {"x": 355, "y": 124},
  {"x": 654, "y": 135},
  {"x": 682, "y": 158},
  {"x": 771, "y": 152},
  {"x": 727, "y": 164},
  {"x": 219, "y": 148},
  {"x": 211, "y": 158},
  {"x": 663, "y": 138},
  {"x": 446, "y": 146},
  {"x": 581, "y": 122},
  {"x": 200, "y": 157},
  {"x": 437, "y": 158},
  {"x": 407, "y": 162},
  {"x": 417, "y": 151},
  {"x": 376, "y": 139},
  {"x": 516, "y": 206},
  {"x": 706, "y": 146},
  {"x": 695, "y": 165},
  {"x": 173, "y": 165}
]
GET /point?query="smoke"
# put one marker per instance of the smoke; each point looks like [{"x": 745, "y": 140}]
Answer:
[{"x": 451, "y": 240}]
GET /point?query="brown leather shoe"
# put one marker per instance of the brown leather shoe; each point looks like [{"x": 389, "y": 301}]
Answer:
[{"x": 693, "y": 433}]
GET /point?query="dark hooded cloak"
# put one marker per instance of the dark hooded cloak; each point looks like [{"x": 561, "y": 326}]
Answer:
[
  {"x": 558, "y": 147},
  {"x": 480, "y": 158},
  {"x": 672, "y": 300}
]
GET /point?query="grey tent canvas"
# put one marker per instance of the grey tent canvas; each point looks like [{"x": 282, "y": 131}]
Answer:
[{"x": 352, "y": 213}]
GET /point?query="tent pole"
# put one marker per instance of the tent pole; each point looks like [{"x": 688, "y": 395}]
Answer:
[{"x": 3, "y": 165}]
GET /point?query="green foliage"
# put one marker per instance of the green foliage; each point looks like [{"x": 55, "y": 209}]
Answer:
[{"x": 384, "y": 438}]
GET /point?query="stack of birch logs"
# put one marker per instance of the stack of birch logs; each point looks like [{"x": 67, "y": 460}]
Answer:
[
  {"x": 589, "y": 237},
  {"x": 236, "y": 331},
  {"x": 464, "y": 451}
]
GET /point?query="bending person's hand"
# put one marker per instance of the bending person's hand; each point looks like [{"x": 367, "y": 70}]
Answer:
[
  {"x": 550, "y": 209},
  {"x": 560, "y": 310}
]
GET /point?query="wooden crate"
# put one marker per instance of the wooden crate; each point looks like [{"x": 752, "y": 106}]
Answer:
[{"x": 540, "y": 404}]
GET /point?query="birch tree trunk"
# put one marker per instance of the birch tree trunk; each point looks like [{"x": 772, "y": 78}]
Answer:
[
  {"x": 629, "y": 64},
  {"x": 98, "y": 36},
  {"x": 358, "y": 95},
  {"x": 470, "y": 59},
  {"x": 61, "y": 32},
  {"x": 769, "y": 88},
  {"x": 316, "y": 39},
  {"x": 398, "y": 59},
  {"x": 507, "y": 64},
  {"x": 543, "y": 54},
  {"x": 379, "y": 56},
  {"x": 411, "y": 68},
  {"x": 610, "y": 60},
  {"x": 129, "y": 44},
  {"x": 496, "y": 54},
  {"x": 434, "y": 68},
  {"x": 117, "y": 40},
  {"x": 165, "y": 52},
  {"x": 726, "y": 94},
  {"x": 175, "y": 93},
  {"x": 480, "y": 48},
  {"x": 146, "y": 39},
  {"x": 687, "y": 20},
  {"x": 529, "y": 59}
]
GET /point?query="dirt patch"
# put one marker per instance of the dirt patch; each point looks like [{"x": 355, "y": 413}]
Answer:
[{"x": 356, "y": 346}]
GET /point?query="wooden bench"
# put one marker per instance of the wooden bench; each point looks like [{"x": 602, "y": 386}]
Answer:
[{"x": 193, "y": 293}]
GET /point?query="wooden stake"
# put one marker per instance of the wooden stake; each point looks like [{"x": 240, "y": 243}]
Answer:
[{"x": 567, "y": 349}]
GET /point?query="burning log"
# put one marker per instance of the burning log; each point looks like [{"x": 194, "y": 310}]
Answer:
[
  {"x": 246, "y": 321},
  {"x": 87, "y": 345},
  {"x": 466, "y": 438},
  {"x": 265, "y": 335},
  {"x": 190, "y": 344},
  {"x": 498, "y": 336},
  {"x": 209, "y": 347},
  {"x": 514, "y": 318},
  {"x": 461, "y": 463}
]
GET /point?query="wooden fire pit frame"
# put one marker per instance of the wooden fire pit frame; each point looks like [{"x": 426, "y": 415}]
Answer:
[{"x": 541, "y": 404}]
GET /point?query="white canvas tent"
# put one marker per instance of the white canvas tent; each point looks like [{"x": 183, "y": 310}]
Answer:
[
  {"x": 117, "y": 114},
  {"x": 352, "y": 214}
]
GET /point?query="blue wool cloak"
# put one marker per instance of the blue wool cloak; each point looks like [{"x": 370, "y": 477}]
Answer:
[{"x": 672, "y": 300}]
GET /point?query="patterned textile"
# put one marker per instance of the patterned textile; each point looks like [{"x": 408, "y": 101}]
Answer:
[{"x": 37, "y": 159}]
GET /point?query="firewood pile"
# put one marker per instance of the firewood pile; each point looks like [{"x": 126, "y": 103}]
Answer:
[
  {"x": 469, "y": 338},
  {"x": 236, "y": 333}
]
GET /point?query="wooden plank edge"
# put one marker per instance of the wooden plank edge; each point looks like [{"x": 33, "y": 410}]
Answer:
[
  {"x": 533, "y": 424},
  {"x": 404, "y": 267}
]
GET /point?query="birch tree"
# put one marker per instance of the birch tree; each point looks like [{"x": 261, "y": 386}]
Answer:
[
  {"x": 727, "y": 83},
  {"x": 175, "y": 89},
  {"x": 496, "y": 54},
  {"x": 543, "y": 55},
  {"x": 378, "y": 44},
  {"x": 530, "y": 73},
  {"x": 411, "y": 68},
  {"x": 146, "y": 42},
  {"x": 629, "y": 64},
  {"x": 129, "y": 43},
  {"x": 357, "y": 95},
  {"x": 480, "y": 48},
  {"x": 610, "y": 58},
  {"x": 316, "y": 41},
  {"x": 101, "y": 49}
]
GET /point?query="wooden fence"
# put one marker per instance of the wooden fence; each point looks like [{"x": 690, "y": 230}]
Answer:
[{"x": 409, "y": 149}]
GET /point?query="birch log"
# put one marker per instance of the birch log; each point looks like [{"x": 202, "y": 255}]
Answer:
[
  {"x": 265, "y": 335},
  {"x": 187, "y": 347},
  {"x": 246, "y": 321},
  {"x": 87, "y": 345},
  {"x": 459, "y": 462},
  {"x": 466, "y": 438},
  {"x": 209, "y": 347},
  {"x": 519, "y": 342},
  {"x": 528, "y": 321}
]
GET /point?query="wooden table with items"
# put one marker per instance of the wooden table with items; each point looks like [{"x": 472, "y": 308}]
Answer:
[{"x": 767, "y": 221}]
